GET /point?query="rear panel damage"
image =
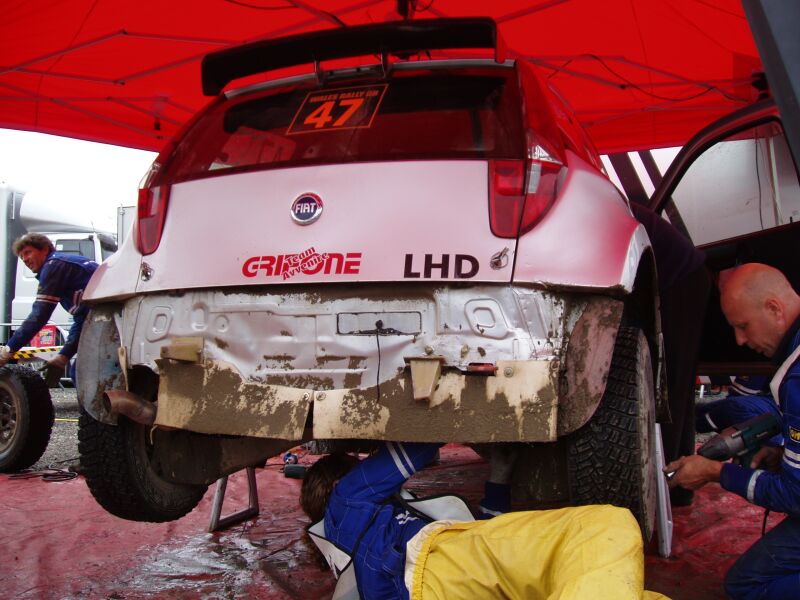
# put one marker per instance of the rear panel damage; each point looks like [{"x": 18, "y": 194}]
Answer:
[{"x": 424, "y": 363}]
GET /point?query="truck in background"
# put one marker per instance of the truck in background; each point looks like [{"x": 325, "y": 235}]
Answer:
[{"x": 26, "y": 213}]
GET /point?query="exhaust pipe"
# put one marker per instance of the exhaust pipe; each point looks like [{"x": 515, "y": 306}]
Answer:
[{"x": 133, "y": 406}]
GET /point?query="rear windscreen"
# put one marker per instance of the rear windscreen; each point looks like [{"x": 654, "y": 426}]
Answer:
[{"x": 442, "y": 114}]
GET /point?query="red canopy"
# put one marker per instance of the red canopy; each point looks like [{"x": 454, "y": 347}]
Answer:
[{"x": 638, "y": 73}]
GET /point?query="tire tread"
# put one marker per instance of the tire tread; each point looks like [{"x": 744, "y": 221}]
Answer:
[
  {"x": 40, "y": 418},
  {"x": 119, "y": 484},
  {"x": 605, "y": 455}
]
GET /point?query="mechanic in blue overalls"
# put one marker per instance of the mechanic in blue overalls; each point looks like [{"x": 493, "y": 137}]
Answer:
[
  {"x": 398, "y": 550},
  {"x": 62, "y": 279},
  {"x": 764, "y": 311}
]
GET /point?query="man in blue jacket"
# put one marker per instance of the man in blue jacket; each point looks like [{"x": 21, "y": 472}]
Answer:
[
  {"x": 62, "y": 279},
  {"x": 764, "y": 311}
]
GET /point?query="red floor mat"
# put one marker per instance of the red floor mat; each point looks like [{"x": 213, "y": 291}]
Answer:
[{"x": 58, "y": 543}]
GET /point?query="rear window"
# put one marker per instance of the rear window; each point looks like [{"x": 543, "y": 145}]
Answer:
[{"x": 441, "y": 114}]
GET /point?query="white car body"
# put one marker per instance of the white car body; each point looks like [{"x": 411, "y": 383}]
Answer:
[
  {"x": 236, "y": 311},
  {"x": 451, "y": 265}
]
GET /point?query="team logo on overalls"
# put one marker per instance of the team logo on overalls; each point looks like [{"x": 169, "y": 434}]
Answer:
[
  {"x": 794, "y": 434},
  {"x": 306, "y": 209}
]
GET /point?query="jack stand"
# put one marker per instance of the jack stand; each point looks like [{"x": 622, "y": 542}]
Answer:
[
  {"x": 663, "y": 506},
  {"x": 251, "y": 511}
]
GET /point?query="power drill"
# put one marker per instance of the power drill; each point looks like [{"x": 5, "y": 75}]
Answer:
[{"x": 743, "y": 440}]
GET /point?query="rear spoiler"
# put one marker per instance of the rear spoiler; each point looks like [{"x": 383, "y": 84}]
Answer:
[{"x": 222, "y": 67}]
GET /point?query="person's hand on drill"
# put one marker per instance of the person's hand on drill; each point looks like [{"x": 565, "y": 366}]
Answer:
[
  {"x": 767, "y": 457},
  {"x": 693, "y": 472}
]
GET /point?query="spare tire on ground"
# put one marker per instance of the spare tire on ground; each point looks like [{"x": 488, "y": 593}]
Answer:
[{"x": 26, "y": 417}]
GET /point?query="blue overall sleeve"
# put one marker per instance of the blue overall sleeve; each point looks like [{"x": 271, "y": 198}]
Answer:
[
  {"x": 383, "y": 474},
  {"x": 776, "y": 491},
  {"x": 71, "y": 345}
]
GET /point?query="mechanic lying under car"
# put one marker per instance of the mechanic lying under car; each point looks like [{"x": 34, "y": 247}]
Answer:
[{"x": 397, "y": 550}]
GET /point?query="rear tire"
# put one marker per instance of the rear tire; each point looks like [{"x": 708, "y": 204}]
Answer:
[
  {"x": 26, "y": 417},
  {"x": 116, "y": 464},
  {"x": 611, "y": 458}
]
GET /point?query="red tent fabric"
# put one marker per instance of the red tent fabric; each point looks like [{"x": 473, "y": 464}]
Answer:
[{"x": 638, "y": 73}]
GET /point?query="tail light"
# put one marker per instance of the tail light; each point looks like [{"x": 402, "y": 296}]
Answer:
[
  {"x": 522, "y": 191},
  {"x": 151, "y": 211}
]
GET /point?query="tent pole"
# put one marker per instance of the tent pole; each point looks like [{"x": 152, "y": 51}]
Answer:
[{"x": 774, "y": 24}]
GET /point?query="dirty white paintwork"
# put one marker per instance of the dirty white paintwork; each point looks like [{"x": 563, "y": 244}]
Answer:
[
  {"x": 584, "y": 240},
  {"x": 639, "y": 242},
  {"x": 404, "y": 221},
  {"x": 117, "y": 275},
  {"x": 376, "y": 212},
  {"x": 518, "y": 383}
]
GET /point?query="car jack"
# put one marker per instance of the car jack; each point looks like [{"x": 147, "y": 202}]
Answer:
[{"x": 219, "y": 523}]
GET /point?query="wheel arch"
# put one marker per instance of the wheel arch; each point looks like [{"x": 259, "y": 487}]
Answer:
[
  {"x": 98, "y": 366},
  {"x": 642, "y": 311}
]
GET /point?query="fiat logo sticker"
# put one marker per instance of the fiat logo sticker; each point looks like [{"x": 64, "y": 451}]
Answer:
[{"x": 306, "y": 209}]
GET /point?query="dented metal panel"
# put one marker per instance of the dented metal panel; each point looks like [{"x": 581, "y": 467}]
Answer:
[
  {"x": 263, "y": 362},
  {"x": 294, "y": 338}
]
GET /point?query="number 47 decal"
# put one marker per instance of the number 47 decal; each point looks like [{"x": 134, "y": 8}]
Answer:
[
  {"x": 322, "y": 115},
  {"x": 347, "y": 108}
]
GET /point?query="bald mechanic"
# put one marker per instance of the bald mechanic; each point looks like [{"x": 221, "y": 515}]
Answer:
[
  {"x": 764, "y": 312},
  {"x": 62, "y": 279}
]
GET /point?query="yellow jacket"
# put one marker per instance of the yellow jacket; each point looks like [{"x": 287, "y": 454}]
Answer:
[{"x": 580, "y": 553}]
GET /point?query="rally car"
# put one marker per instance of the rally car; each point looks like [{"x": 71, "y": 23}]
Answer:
[{"x": 387, "y": 246}]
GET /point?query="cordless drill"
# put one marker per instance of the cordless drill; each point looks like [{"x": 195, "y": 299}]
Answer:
[{"x": 743, "y": 440}]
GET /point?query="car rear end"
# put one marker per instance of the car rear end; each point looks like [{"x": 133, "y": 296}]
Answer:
[
  {"x": 338, "y": 252},
  {"x": 415, "y": 250}
]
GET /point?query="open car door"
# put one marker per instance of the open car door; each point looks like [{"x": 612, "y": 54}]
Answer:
[{"x": 733, "y": 190}]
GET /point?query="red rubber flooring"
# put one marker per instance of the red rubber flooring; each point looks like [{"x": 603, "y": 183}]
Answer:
[{"x": 58, "y": 543}]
